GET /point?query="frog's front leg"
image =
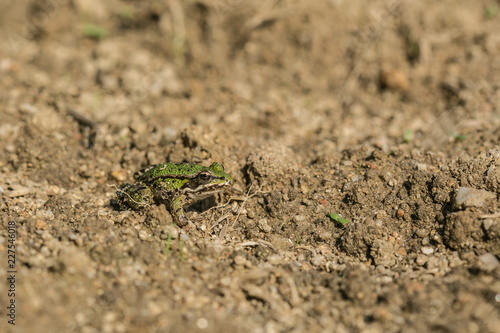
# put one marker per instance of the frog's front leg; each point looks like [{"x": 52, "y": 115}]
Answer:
[{"x": 177, "y": 211}]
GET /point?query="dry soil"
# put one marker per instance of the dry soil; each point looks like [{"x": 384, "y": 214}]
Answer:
[{"x": 364, "y": 138}]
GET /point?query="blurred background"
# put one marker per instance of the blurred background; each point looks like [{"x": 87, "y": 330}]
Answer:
[{"x": 314, "y": 76}]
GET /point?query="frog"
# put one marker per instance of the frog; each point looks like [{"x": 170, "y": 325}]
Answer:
[{"x": 174, "y": 184}]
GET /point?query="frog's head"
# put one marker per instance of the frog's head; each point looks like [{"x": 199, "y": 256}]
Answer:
[{"x": 207, "y": 181}]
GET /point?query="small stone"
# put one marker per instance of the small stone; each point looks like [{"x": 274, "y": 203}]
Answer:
[
  {"x": 427, "y": 250},
  {"x": 226, "y": 281},
  {"x": 422, "y": 167},
  {"x": 94, "y": 8},
  {"x": 432, "y": 262},
  {"x": 102, "y": 212},
  {"x": 281, "y": 243},
  {"x": 488, "y": 223},
  {"x": 264, "y": 226},
  {"x": 337, "y": 267},
  {"x": 421, "y": 260},
  {"x": 394, "y": 79},
  {"x": 169, "y": 231},
  {"x": 239, "y": 260},
  {"x": 10, "y": 148},
  {"x": 78, "y": 241},
  {"x": 325, "y": 235},
  {"x": 421, "y": 233},
  {"x": 488, "y": 262},
  {"x": 471, "y": 197},
  {"x": 318, "y": 260},
  {"x": 119, "y": 175},
  {"x": 304, "y": 188},
  {"x": 202, "y": 323},
  {"x": 201, "y": 266},
  {"x": 144, "y": 235},
  {"x": 214, "y": 248},
  {"x": 307, "y": 202},
  {"x": 45, "y": 251},
  {"x": 274, "y": 259},
  {"x": 299, "y": 218},
  {"x": 99, "y": 173},
  {"x": 41, "y": 225},
  {"x": 53, "y": 190}
]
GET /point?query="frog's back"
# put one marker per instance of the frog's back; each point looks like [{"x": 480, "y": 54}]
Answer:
[{"x": 165, "y": 169}]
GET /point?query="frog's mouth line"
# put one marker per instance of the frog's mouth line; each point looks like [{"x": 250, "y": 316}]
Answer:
[{"x": 204, "y": 191}]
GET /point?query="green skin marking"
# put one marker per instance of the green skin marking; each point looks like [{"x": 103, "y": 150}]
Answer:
[{"x": 175, "y": 185}]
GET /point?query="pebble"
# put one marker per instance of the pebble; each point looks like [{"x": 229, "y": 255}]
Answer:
[
  {"x": 144, "y": 235},
  {"x": 318, "y": 260},
  {"x": 337, "y": 267},
  {"x": 422, "y": 167},
  {"x": 45, "y": 251},
  {"x": 102, "y": 212},
  {"x": 169, "y": 232},
  {"x": 202, "y": 323},
  {"x": 95, "y": 9},
  {"x": 488, "y": 223},
  {"x": 488, "y": 262},
  {"x": 274, "y": 259},
  {"x": 119, "y": 175},
  {"x": 235, "y": 209},
  {"x": 421, "y": 233},
  {"x": 386, "y": 279},
  {"x": 201, "y": 266},
  {"x": 225, "y": 281},
  {"x": 325, "y": 235},
  {"x": 41, "y": 225},
  {"x": 421, "y": 260},
  {"x": 77, "y": 239},
  {"x": 54, "y": 190},
  {"x": 239, "y": 260},
  {"x": 471, "y": 197},
  {"x": 264, "y": 226},
  {"x": 395, "y": 79},
  {"x": 427, "y": 250},
  {"x": 299, "y": 218}
]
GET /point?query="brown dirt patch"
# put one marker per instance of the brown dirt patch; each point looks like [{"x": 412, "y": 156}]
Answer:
[{"x": 380, "y": 112}]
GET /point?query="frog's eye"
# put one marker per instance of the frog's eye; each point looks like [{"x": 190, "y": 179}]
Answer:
[{"x": 205, "y": 175}]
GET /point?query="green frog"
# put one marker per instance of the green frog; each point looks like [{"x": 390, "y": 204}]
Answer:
[{"x": 175, "y": 185}]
